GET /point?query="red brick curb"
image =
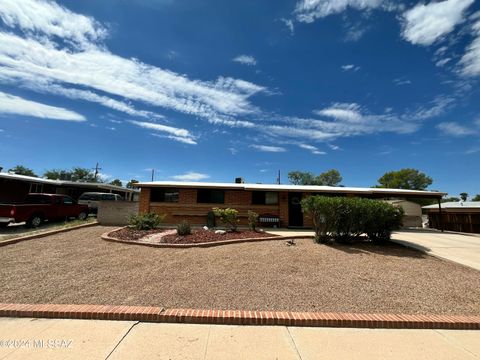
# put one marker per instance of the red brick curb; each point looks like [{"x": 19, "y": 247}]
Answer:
[
  {"x": 240, "y": 317},
  {"x": 106, "y": 236},
  {"x": 44, "y": 234}
]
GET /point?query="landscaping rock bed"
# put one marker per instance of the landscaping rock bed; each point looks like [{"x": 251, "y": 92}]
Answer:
[
  {"x": 169, "y": 236},
  {"x": 205, "y": 236}
]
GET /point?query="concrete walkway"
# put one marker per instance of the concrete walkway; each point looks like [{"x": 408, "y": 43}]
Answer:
[
  {"x": 461, "y": 248},
  {"x": 23, "y": 338}
]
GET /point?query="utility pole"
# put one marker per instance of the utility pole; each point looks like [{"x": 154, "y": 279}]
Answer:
[
  {"x": 97, "y": 170},
  {"x": 278, "y": 178},
  {"x": 153, "y": 174}
]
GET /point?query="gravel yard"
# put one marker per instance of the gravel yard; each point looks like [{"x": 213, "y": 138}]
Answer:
[{"x": 78, "y": 267}]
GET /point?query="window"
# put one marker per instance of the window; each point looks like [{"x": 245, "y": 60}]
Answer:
[
  {"x": 110, "y": 197},
  {"x": 209, "y": 196},
  {"x": 67, "y": 200},
  {"x": 38, "y": 199},
  {"x": 264, "y": 198},
  {"x": 163, "y": 195}
]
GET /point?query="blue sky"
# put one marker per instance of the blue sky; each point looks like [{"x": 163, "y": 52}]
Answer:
[{"x": 210, "y": 90}]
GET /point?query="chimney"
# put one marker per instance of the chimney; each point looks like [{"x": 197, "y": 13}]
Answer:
[{"x": 239, "y": 180}]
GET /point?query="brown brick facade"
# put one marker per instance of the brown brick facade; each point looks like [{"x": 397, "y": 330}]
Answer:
[{"x": 188, "y": 209}]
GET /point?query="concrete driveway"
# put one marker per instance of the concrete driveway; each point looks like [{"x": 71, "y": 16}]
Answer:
[
  {"x": 461, "y": 248},
  {"x": 23, "y": 338}
]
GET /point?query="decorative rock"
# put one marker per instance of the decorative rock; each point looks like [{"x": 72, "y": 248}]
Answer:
[
  {"x": 220, "y": 232},
  {"x": 205, "y": 228}
]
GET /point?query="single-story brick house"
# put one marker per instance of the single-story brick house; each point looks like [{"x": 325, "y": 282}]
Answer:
[{"x": 193, "y": 200}]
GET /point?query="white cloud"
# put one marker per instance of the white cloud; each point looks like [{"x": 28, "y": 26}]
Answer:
[
  {"x": 350, "y": 67},
  {"x": 14, "y": 105},
  {"x": 470, "y": 61},
  {"x": 191, "y": 176},
  {"x": 402, "y": 81},
  {"x": 289, "y": 24},
  {"x": 442, "y": 62},
  {"x": 341, "y": 111},
  {"x": 267, "y": 148},
  {"x": 454, "y": 129},
  {"x": 312, "y": 149},
  {"x": 334, "y": 147},
  {"x": 424, "y": 24},
  {"x": 309, "y": 10},
  {"x": 174, "y": 133},
  {"x": 245, "y": 60},
  {"x": 51, "y": 19}
]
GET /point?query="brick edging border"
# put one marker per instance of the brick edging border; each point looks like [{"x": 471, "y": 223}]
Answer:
[
  {"x": 44, "y": 234},
  {"x": 106, "y": 236},
  {"x": 240, "y": 317}
]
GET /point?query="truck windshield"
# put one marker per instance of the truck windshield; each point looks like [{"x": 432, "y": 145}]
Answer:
[{"x": 37, "y": 199}]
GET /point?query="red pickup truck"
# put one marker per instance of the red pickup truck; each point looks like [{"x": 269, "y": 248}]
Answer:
[{"x": 40, "y": 207}]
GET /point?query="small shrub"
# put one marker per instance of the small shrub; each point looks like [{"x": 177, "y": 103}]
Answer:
[
  {"x": 184, "y": 228},
  {"x": 228, "y": 217},
  {"x": 146, "y": 221},
  {"x": 252, "y": 220}
]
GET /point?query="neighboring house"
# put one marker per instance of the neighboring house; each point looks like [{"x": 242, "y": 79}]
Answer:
[
  {"x": 412, "y": 216},
  {"x": 193, "y": 200},
  {"x": 14, "y": 188},
  {"x": 463, "y": 216}
]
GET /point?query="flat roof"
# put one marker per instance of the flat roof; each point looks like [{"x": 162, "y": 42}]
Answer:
[
  {"x": 300, "y": 188},
  {"x": 64, "y": 182},
  {"x": 456, "y": 205}
]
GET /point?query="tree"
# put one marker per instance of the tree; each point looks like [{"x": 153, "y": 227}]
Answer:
[
  {"x": 22, "y": 170},
  {"x": 300, "y": 178},
  {"x": 131, "y": 183},
  {"x": 116, "y": 182},
  {"x": 464, "y": 196},
  {"x": 76, "y": 174},
  {"x": 411, "y": 179},
  {"x": 56, "y": 174},
  {"x": 476, "y": 197},
  {"x": 331, "y": 177},
  {"x": 328, "y": 178},
  {"x": 451, "y": 199}
]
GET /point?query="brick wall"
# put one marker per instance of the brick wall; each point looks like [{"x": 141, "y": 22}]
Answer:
[
  {"x": 116, "y": 212},
  {"x": 187, "y": 208}
]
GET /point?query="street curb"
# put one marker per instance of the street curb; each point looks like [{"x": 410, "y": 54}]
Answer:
[
  {"x": 44, "y": 234},
  {"x": 106, "y": 236},
  {"x": 240, "y": 317}
]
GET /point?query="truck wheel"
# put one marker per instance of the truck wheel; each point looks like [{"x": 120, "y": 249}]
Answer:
[
  {"x": 35, "y": 221},
  {"x": 82, "y": 216}
]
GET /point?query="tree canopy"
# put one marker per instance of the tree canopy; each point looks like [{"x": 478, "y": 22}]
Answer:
[
  {"x": 476, "y": 198},
  {"x": 450, "y": 199},
  {"x": 76, "y": 174},
  {"x": 131, "y": 183},
  {"x": 328, "y": 178},
  {"x": 116, "y": 182},
  {"x": 464, "y": 196},
  {"x": 22, "y": 170},
  {"x": 410, "y": 179}
]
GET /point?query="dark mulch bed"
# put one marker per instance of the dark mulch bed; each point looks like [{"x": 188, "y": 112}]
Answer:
[
  {"x": 132, "y": 234},
  {"x": 204, "y": 236}
]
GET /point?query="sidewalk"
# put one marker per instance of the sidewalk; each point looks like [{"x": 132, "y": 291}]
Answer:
[{"x": 96, "y": 339}]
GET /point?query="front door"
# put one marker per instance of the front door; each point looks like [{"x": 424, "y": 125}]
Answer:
[{"x": 295, "y": 215}]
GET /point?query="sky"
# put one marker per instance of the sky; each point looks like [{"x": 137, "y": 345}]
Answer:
[{"x": 210, "y": 90}]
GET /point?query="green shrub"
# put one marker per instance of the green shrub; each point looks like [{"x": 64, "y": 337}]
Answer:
[
  {"x": 228, "y": 217},
  {"x": 252, "y": 220},
  {"x": 146, "y": 221},
  {"x": 184, "y": 228},
  {"x": 343, "y": 219}
]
